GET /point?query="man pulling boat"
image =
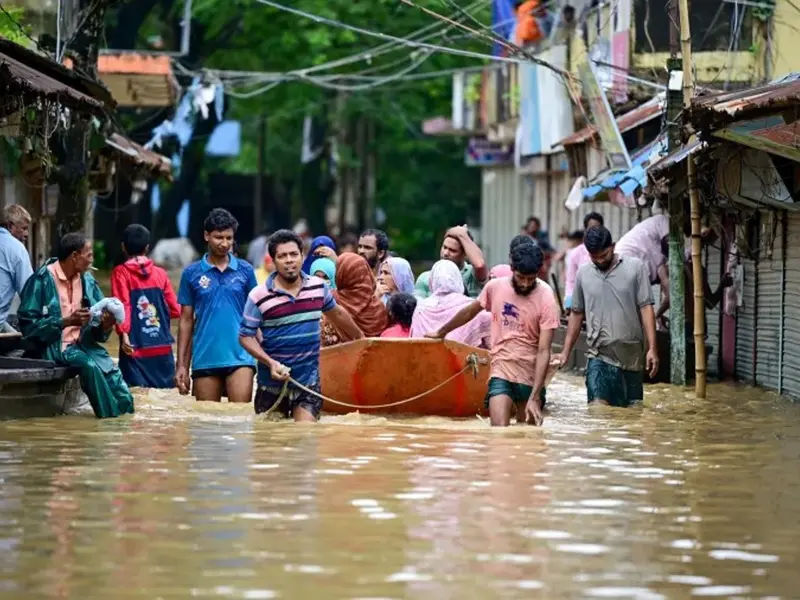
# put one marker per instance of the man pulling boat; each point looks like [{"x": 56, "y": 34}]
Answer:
[
  {"x": 524, "y": 316},
  {"x": 287, "y": 311}
]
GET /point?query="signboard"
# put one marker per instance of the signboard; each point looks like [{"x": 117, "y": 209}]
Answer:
[
  {"x": 620, "y": 58},
  {"x": 481, "y": 152},
  {"x": 603, "y": 118}
]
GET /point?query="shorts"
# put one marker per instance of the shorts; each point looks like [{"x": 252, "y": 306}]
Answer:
[
  {"x": 518, "y": 392},
  {"x": 219, "y": 372},
  {"x": 613, "y": 384},
  {"x": 267, "y": 396}
]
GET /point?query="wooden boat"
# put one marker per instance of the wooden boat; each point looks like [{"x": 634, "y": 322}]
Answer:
[
  {"x": 39, "y": 388},
  {"x": 374, "y": 372}
]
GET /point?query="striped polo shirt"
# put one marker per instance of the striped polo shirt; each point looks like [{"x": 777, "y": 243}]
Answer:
[{"x": 290, "y": 326}]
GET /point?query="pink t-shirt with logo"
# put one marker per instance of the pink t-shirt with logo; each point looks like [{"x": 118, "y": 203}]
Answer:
[{"x": 516, "y": 324}]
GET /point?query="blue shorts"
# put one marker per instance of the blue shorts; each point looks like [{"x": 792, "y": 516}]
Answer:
[
  {"x": 616, "y": 386},
  {"x": 148, "y": 371},
  {"x": 518, "y": 392}
]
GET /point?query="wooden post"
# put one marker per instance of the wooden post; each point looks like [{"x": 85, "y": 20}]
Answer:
[
  {"x": 694, "y": 203},
  {"x": 677, "y": 241}
]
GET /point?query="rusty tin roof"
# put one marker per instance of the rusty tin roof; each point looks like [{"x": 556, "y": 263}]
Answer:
[
  {"x": 715, "y": 110},
  {"x": 630, "y": 120},
  {"x": 23, "y": 71}
]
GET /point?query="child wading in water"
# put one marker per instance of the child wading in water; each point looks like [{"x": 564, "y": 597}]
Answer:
[
  {"x": 401, "y": 310},
  {"x": 145, "y": 350}
]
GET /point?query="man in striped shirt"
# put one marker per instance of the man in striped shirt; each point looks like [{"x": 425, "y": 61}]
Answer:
[{"x": 287, "y": 311}]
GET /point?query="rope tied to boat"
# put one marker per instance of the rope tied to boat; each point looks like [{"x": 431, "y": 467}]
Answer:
[{"x": 473, "y": 364}]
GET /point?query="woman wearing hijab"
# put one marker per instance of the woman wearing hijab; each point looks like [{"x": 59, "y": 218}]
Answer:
[
  {"x": 315, "y": 250},
  {"x": 499, "y": 271},
  {"x": 395, "y": 277},
  {"x": 355, "y": 292},
  {"x": 447, "y": 298},
  {"x": 325, "y": 269}
]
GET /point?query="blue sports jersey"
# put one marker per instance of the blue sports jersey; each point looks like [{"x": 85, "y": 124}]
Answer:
[{"x": 218, "y": 298}]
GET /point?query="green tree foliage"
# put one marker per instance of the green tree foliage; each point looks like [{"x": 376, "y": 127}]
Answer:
[
  {"x": 10, "y": 22},
  {"x": 423, "y": 185}
]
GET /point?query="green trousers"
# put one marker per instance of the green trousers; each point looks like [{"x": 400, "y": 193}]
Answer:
[{"x": 101, "y": 381}]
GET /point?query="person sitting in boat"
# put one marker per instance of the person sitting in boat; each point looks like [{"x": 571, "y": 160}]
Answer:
[
  {"x": 287, "y": 311},
  {"x": 460, "y": 248},
  {"x": 395, "y": 277},
  {"x": 498, "y": 271},
  {"x": 355, "y": 292},
  {"x": 321, "y": 247},
  {"x": 447, "y": 300},
  {"x": 325, "y": 269},
  {"x": 55, "y": 316},
  {"x": 401, "y": 313},
  {"x": 373, "y": 244},
  {"x": 524, "y": 315}
]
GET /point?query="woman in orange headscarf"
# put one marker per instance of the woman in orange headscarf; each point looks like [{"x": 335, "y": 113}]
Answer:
[{"x": 355, "y": 292}]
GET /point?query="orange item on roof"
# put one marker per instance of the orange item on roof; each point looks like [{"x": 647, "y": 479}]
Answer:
[
  {"x": 135, "y": 63},
  {"x": 528, "y": 30}
]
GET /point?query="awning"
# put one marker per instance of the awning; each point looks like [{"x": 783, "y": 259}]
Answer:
[
  {"x": 26, "y": 73},
  {"x": 676, "y": 157},
  {"x": 139, "y": 156},
  {"x": 716, "y": 110},
  {"x": 627, "y": 182},
  {"x": 770, "y": 134}
]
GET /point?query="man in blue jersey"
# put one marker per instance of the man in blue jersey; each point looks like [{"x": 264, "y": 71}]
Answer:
[{"x": 212, "y": 295}]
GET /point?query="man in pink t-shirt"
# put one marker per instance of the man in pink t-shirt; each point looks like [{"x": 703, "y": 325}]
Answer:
[
  {"x": 579, "y": 256},
  {"x": 524, "y": 315}
]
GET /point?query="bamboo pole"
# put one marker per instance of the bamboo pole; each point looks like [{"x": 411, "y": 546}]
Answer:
[{"x": 694, "y": 207}]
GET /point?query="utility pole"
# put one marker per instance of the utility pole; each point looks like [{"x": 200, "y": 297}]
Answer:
[
  {"x": 694, "y": 207},
  {"x": 258, "y": 188},
  {"x": 677, "y": 242}
]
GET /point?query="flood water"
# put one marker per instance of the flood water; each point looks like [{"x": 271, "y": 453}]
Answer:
[{"x": 675, "y": 499}]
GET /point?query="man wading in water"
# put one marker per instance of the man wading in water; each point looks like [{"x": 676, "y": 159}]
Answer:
[
  {"x": 615, "y": 293},
  {"x": 212, "y": 294},
  {"x": 524, "y": 315},
  {"x": 287, "y": 310}
]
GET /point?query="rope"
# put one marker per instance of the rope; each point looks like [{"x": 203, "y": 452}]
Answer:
[{"x": 472, "y": 364}]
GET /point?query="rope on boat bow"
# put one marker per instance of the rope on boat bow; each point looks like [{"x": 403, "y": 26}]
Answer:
[{"x": 472, "y": 364}]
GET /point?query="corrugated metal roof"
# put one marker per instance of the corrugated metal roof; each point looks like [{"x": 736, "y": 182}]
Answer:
[
  {"x": 18, "y": 75},
  {"x": 726, "y": 107},
  {"x": 630, "y": 120},
  {"x": 140, "y": 156},
  {"x": 675, "y": 157},
  {"x": 787, "y": 134}
]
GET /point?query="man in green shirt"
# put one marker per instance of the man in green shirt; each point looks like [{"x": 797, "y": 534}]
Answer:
[{"x": 459, "y": 247}]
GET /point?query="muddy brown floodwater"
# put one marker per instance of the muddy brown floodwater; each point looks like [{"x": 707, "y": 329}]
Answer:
[{"x": 679, "y": 498}]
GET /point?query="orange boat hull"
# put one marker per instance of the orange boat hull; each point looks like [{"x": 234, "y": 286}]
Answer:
[{"x": 378, "y": 371}]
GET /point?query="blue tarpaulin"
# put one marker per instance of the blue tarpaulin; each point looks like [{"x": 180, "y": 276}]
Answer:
[{"x": 628, "y": 181}]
